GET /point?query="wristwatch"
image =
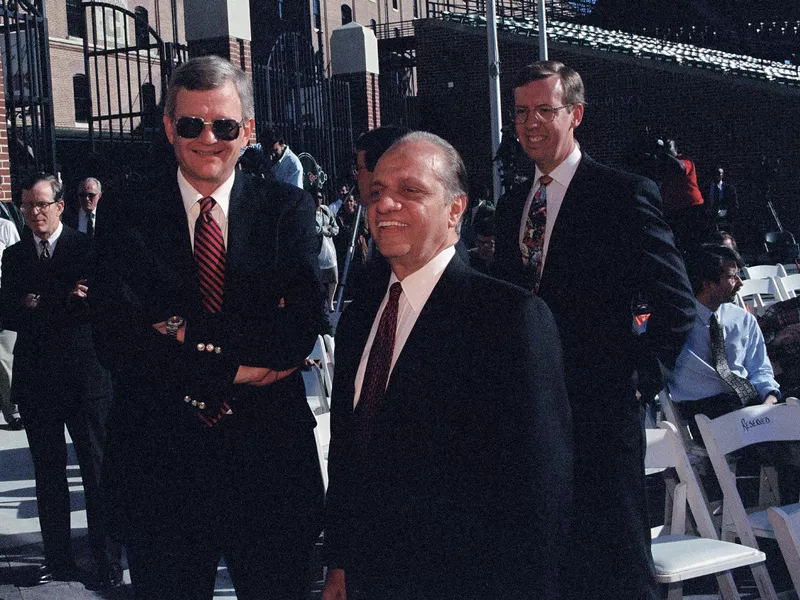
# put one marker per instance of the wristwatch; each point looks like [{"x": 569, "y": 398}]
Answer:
[{"x": 173, "y": 324}]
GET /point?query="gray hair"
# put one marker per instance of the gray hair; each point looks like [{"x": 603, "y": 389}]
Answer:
[
  {"x": 96, "y": 182},
  {"x": 209, "y": 73},
  {"x": 453, "y": 175},
  {"x": 55, "y": 184}
]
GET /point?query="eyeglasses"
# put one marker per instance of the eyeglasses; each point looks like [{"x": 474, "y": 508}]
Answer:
[
  {"x": 29, "y": 207},
  {"x": 544, "y": 113},
  {"x": 87, "y": 195},
  {"x": 226, "y": 130}
]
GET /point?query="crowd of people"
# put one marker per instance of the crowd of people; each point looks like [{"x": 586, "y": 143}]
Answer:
[{"x": 487, "y": 415}]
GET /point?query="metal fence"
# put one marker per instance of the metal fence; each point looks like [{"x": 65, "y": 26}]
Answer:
[
  {"x": 313, "y": 113},
  {"x": 28, "y": 88}
]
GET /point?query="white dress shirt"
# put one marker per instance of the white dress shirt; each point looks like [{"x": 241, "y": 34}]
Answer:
[
  {"x": 417, "y": 288},
  {"x": 191, "y": 202},
  {"x": 83, "y": 217},
  {"x": 53, "y": 239},
  {"x": 556, "y": 190}
]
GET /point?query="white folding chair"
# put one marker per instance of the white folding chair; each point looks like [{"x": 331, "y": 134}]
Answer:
[
  {"x": 786, "y": 524},
  {"x": 322, "y": 436},
  {"x": 316, "y": 394},
  {"x": 330, "y": 348},
  {"x": 729, "y": 433},
  {"x": 757, "y": 294},
  {"x": 677, "y": 556},
  {"x": 789, "y": 285},
  {"x": 764, "y": 271}
]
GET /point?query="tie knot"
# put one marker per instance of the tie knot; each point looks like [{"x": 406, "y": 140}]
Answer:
[
  {"x": 206, "y": 205},
  {"x": 545, "y": 179},
  {"x": 395, "y": 291},
  {"x": 44, "y": 244}
]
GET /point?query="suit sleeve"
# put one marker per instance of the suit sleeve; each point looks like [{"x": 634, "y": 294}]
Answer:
[
  {"x": 665, "y": 287},
  {"x": 535, "y": 454}
]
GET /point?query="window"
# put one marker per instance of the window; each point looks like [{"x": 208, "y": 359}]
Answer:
[
  {"x": 80, "y": 92},
  {"x": 280, "y": 9},
  {"x": 415, "y": 8},
  {"x": 142, "y": 27},
  {"x": 76, "y": 25},
  {"x": 374, "y": 25},
  {"x": 395, "y": 4},
  {"x": 347, "y": 14}
]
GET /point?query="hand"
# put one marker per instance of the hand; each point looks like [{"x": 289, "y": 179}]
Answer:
[
  {"x": 334, "y": 586},
  {"x": 30, "y": 300},
  {"x": 260, "y": 376},
  {"x": 80, "y": 290},
  {"x": 161, "y": 328},
  {"x": 769, "y": 400}
]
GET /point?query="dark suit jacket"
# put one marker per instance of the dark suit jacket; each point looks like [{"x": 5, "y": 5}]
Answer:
[
  {"x": 729, "y": 201},
  {"x": 610, "y": 247},
  {"x": 165, "y": 471},
  {"x": 468, "y": 476},
  {"x": 54, "y": 354}
]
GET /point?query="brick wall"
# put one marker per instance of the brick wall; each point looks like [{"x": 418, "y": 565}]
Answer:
[
  {"x": 364, "y": 101},
  {"x": 5, "y": 172},
  {"x": 715, "y": 119}
]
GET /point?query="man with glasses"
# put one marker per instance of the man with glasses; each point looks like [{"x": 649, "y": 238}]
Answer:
[
  {"x": 57, "y": 379},
  {"x": 85, "y": 219},
  {"x": 592, "y": 241},
  {"x": 208, "y": 301}
]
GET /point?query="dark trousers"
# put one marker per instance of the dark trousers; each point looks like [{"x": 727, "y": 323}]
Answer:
[
  {"x": 45, "y": 417},
  {"x": 607, "y": 553}
]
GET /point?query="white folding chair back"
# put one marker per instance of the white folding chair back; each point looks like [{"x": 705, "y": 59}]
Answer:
[
  {"x": 789, "y": 285},
  {"x": 695, "y": 451},
  {"x": 316, "y": 394},
  {"x": 731, "y": 432},
  {"x": 320, "y": 356},
  {"x": 786, "y": 523},
  {"x": 757, "y": 294},
  {"x": 678, "y": 557},
  {"x": 764, "y": 271},
  {"x": 330, "y": 348},
  {"x": 322, "y": 436}
]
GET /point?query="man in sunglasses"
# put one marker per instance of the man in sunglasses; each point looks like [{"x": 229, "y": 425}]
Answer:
[
  {"x": 208, "y": 301},
  {"x": 85, "y": 218},
  {"x": 592, "y": 240}
]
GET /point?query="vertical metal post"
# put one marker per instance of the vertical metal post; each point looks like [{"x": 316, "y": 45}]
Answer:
[
  {"x": 496, "y": 119},
  {"x": 542, "y": 31}
]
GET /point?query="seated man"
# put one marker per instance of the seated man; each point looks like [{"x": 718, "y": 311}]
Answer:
[{"x": 724, "y": 365}]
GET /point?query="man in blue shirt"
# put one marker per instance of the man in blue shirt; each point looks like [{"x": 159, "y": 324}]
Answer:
[
  {"x": 286, "y": 167},
  {"x": 702, "y": 381}
]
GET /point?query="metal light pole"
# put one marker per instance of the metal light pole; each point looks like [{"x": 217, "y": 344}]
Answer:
[
  {"x": 542, "y": 31},
  {"x": 494, "y": 91}
]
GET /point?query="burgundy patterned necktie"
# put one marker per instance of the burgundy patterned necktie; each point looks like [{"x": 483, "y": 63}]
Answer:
[
  {"x": 209, "y": 252},
  {"x": 379, "y": 363},
  {"x": 533, "y": 238}
]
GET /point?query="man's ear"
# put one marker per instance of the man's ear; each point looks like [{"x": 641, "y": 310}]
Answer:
[
  {"x": 577, "y": 114},
  {"x": 169, "y": 128},
  {"x": 457, "y": 208}
]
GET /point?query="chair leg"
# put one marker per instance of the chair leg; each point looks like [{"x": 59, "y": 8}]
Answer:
[
  {"x": 765, "y": 588},
  {"x": 727, "y": 587},
  {"x": 675, "y": 591}
]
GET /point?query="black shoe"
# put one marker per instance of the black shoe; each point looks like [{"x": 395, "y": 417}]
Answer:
[
  {"x": 47, "y": 574},
  {"x": 112, "y": 577},
  {"x": 16, "y": 424}
]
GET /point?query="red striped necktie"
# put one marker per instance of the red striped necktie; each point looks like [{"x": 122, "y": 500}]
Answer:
[{"x": 209, "y": 252}]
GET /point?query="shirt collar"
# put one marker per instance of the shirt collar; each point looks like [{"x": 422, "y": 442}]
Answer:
[
  {"x": 565, "y": 171},
  {"x": 704, "y": 313},
  {"x": 417, "y": 286},
  {"x": 221, "y": 195},
  {"x": 53, "y": 238}
]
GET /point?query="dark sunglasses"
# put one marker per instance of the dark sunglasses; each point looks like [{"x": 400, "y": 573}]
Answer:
[
  {"x": 87, "y": 195},
  {"x": 223, "y": 129}
]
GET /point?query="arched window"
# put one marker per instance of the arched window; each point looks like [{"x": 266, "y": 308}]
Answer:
[
  {"x": 374, "y": 25},
  {"x": 76, "y": 24},
  {"x": 142, "y": 27},
  {"x": 347, "y": 14},
  {"x": 80, "y": 93}
]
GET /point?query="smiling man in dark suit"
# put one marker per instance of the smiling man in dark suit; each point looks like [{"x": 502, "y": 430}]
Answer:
[
  {"x": 450, "y": 456},
  {"x": 57, "y": 379},
  {"x": 208, "y": 301},
  {"x": 592, "y": 240}
]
